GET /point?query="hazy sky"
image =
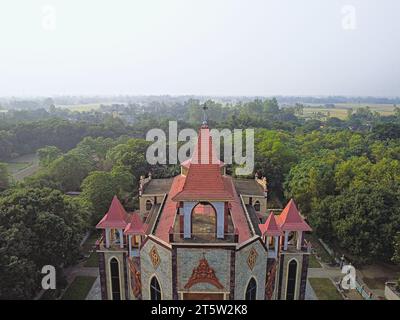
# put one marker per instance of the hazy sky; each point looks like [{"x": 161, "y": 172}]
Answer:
[{"x": 216, "y": 47}]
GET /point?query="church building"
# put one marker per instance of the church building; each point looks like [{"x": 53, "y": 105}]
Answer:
[{"x": 203, "y": 235}]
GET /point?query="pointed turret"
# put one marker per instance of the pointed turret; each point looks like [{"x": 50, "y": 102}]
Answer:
[
  {"x": 115, "y": 218},
  {"x": 270, "y": 227},
  {"x": 135, "y": 226},
  {"x": 291, "y": 220}
]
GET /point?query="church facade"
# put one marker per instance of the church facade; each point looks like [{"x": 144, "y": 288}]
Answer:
[{"x": 203, "y": 235}]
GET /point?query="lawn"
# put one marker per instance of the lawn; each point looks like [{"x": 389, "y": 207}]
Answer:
[
  {"x": 325, "y": 289},
  {"x": 79, "y": 288},
  {"x": 320, "y": 250},
  {"x": 92, "y": 261},
  {"x": 313, "y": 263},
  {"x": 14, "y": 167}
]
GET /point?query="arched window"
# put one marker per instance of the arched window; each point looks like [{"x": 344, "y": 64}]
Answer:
[
  {"x": 251, "y": 291},
  {"x": 257, "y": 206},
  {"x": 204, "y": 222},
  {"x": 115, "y": 287},
  {"x": 148, "y": 205},
  {"x": 291, "y": 280},
  {"x": 155, "y": 290}
]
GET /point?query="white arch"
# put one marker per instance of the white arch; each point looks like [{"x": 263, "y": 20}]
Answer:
[
  {"x": 297, "y": 275},
  {"x": 119, "y": 276}
]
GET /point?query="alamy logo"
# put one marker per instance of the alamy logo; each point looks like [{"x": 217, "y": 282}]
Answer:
[
  {"x": 203, "y": 149},
  {"x": 49, "y": 280},
  {"x": 349, "y": 280}
]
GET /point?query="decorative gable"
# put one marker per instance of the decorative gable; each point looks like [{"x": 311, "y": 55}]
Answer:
[{"x": 203, "y": 273}]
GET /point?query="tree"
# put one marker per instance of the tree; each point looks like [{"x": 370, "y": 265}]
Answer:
[
  {"x": 37, "y": 227},
  {"x": 362, "y": 220},
  {"x": 99, "y": 188},
  {"x": 70, "y": 169},
  {"x": 4, "y": 180},
  {"x": 48, "y": 154}
]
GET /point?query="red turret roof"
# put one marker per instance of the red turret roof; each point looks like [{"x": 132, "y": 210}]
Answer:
[
  {"x": 116, "y": 217},
  {"x": 291, "y": 220},
  {"x": 204, "y": 180},
  {"x": 136, "y": 226},
  {"x": 270, "y": 227}
]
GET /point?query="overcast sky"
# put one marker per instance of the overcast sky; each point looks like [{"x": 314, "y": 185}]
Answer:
[{"x": 215, "y": 47}]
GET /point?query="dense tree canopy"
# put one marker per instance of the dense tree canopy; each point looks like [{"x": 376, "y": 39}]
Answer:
[{"x": 37, "y": 227}]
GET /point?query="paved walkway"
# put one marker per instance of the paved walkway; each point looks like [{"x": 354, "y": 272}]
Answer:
[
  {"x": 310, "y": 293},
  {"x": 333, "y": 274},
  {"x": 72, "y": 272},
  {"x": 95, "y": 292}
]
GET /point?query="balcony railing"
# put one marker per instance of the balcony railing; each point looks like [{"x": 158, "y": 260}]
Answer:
[{"x": 203, "y": 238}]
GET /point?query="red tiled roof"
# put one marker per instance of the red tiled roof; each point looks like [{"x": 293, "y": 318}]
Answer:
[
  {"x": 136, "y": 225},
  {"x": 204, "y": 182},
  {"x": 270, "y": 227},
  {"x": 116, "y": 217},
  {"x": 168, "y": 213},
  {"x": 291, "y": 220},
  {"x": 238, "y": 215}
]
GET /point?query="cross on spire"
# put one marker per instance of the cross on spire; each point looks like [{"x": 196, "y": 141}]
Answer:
[{"x": 205, "y": 108}]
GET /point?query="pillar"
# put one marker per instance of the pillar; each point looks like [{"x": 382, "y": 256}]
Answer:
[
  {"x": 130, "y": 245},
  {"x": 276, "y": 240},
  {"x": 220, "y": 210},
  {"x": 299, "y": 239},
  {"x": 121, "y": 238},
  {"x": 187, "y": 219},
  {"x": 107, "y": 238},
  {"x": 285, "y": 244}
]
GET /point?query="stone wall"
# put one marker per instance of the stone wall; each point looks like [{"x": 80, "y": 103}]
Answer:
[
  {"x": 162, "y": 271},
  {"x": 243, "y": 272},
  {"x": 261, "y": 199}
]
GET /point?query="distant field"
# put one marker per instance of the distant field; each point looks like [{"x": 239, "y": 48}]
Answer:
[
  {"x": 24, "y": 166},
  {"x": 81, "y": 107},
  {"x": 340, "y": 109}
]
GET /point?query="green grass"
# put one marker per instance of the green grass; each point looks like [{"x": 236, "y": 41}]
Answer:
[
  {"x": 325, "y": 289},
  {"x": 92, "y": 261},
  {"x": 320, "y": 250},
  {"x": 90, "y": 242},
  {"x": 14, "y": 167},
  {"x": 79, "y": 288},
  {"x": 313, "y": 263},
  {"x": 340, "y": 109}
]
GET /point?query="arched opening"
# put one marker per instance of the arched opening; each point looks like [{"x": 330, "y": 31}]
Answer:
[
  {"x": 115, "y": 284},
  {"x": 257, "y": 206},
  {"x": 204, "y": 221},
  {"x": 155, "y": 290},
  {"x": 291, "y": 280},
  {"x": 149, "y": 205},
  {"x": 251, "y": 290}
]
